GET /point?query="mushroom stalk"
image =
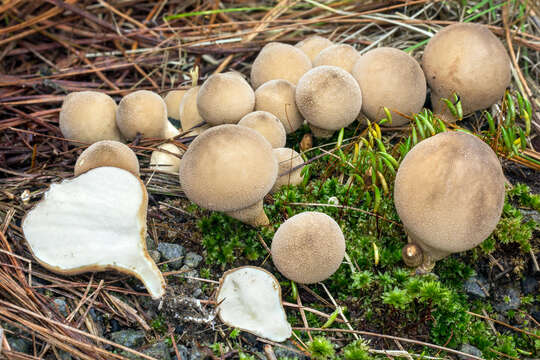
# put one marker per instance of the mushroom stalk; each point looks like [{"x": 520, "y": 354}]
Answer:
[
  {"x": 253, "y": 215},
  {"x": 321, "y": 133}
]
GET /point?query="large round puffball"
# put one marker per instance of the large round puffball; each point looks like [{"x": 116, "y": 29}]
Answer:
[
  {"x": 279, "y": 61},
  {"x": 172, "y": 100},
  {"x": 313, "y": 45},
  {"x": 225, "y": 99},
  {"x": 267, "y": 125},
  {"x": 341, "y": 55},
  {"x": 468, "y": 60},
  {"x": 188, "y": 112},
  {"x": 89, "y": 116},
  {"x": 142, "y": 112},
  {"x": 393, "y": 79}
]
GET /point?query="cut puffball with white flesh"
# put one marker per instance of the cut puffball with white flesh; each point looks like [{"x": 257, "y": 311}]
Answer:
[
  {"x": 250, "y": 300},
  {"x": 94, "y": 222}
]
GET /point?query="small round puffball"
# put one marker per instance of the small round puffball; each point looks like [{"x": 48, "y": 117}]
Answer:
[
  {"x": 89, "y": 116},
  {"x": 308, "y": 248},
  {"x": 313, "y": 45},
  {"x": 390, "y": 78},
  {"x": 142, "y": 112},
  {"x": 279, "y": 61},
  {"x": 107, "y": 153},
  {"x": 267, "y": 125},
  {"x": 277, "y": 97},
  {"x": 225, "y": 99},
  {"x": 172, "y": 100},
  {"x": 188, "y": 112},
  {"x": 328, "y": 97},
  {"x": 287, "y": 160},
  {"x": 163, "y": 161},
  {"x": 341, "y": 55}
]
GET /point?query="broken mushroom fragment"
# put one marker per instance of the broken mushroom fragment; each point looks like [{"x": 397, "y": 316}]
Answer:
[
  {"x": 225, "y": 99},
  {"x": 313, "y": 45},
  {"x": 277, "y": 97},
  {"x": 341, "y": 55},
  {"x": 279, "y": 61},
  {"x": 249, "y": 299},
  {"x": 94, "y": 222},
  {"x": 449, "y": 194},
  {"x": 468, "y": 60},
  {"x": 390, "y": 78},
  {"x": 107, "y": 153},
  {"x": 163, "y": 161},
  {"x": 142, "y": 112},
  {"x": 230, "y": 168},
  {"x": 89, "y": 116},
  {"x": 329, "y": 98},
  {"x": 267, "y": 125},
  {"x": 288, "y": 159},
  {"x": 172, "y": 100},
  {"x": 308, "y": 248}
]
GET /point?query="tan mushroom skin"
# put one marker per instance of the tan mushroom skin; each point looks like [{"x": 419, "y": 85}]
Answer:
[
  {"x": 107, "y": 153},
  {"x": 142, "y": 112},
  {"x": 313, "y": 45}
]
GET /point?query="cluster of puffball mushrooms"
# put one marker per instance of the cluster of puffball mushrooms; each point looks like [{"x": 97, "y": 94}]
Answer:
[{"x": 449, "y": 189}]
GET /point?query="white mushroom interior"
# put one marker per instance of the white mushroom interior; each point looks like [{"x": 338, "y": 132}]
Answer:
[
  {"x": 250, "y": 299},
  {"x": 96, "y": 221}
]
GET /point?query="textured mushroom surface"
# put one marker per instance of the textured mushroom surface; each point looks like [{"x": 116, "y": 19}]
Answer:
[
  {"x": 172, "y": 100},
  {"x": 163, "y": 161},
  {"x": 279, "y": 61},
  {"x": 188, "y": 112},
  {"x": 313, "y": 45},
  {"x": 340, "y": 55},
  {"x": 278, "y": 98},
  {"x": 250, "y": 299},
  {"x": 107, "y": 153},
  {"x": 94, "y": 222},
  {"x": 449, "y": 193},
  {"x": 390, "y": 78},
  {"x": 469, "y": 60},
  {"x": 89, "y": 116},
  {"x": 266, "y": 124},
  {"x": 287, "y": 160},
  {"x": 142, "y": 112},
  {"x": 308, "y": 248}
]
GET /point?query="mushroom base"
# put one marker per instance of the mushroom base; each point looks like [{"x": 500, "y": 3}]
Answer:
[
  {"x": 430, "y": 255},
  {"x": 253, "y": 215},
  {"x": 321, "y": 133}
]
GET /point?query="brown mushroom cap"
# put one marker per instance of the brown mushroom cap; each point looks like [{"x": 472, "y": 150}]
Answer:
[
  {"x": 469, "y": 60},
  {"x": 278, "y": 98},
  {"x": 142, "y": 112},
  {"x": 287, "y": 159},
  {"x": 313, "y": 45},
  {"x": 390, "y": 78},
  {"x": 449, "y": 193},
  {"x": 340, "y": 55},
  {"x": 308, "y": 248},
  {"x": 225, "y": 99},
  {"x": 228, "y": 168},
  {"x": 188, "y": 112},
  {"x": 328, "y": 97},
  {"x": 89, "y": 116},
  {"x": 279, "y": 61},
  {"x": 267, "y": 125},
  {"x": 107, "y": 153},
  {"x": 172, "y": 100}
]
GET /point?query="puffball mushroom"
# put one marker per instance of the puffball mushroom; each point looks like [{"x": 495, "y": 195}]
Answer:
[
  {"x": 172, "y": 100},
  {"x": 279, "y": 61},
  {"x": 287, "y": 160},
  {"x": 142, "y": 112},
  {"x": 163, "y": 161},
  {"x": 107, "y": 153},
  {"x": 249, "y": 299},
  {"x": 230, "y": 168},
  {"x": 341, "y": 55},
  {"x": 89, "y": 116},
  {"x": 267, "y": 125},
  {"x": 449, "y": 194},
  {"x": 313, "y": 45},
  {"x": 225, "y": 99},
  {"x": 189, "y": 114},
  {"x": 277, "y": 97},
  {"x": 329, "y": 98},
  {"x": 94, "y": 222},
  {"x": 466, "y": 59},
  {"x": 309, "y": 247},
  {"x": 390, "y": 78}
]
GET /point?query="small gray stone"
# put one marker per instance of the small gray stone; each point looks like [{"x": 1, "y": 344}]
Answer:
[
  {"x": 19, "y": 345},
  {"x": 183, "y": 352},
  {"x": 530, "y": 215},
  {"x": 197, "y": 293},
  {"x": 475, "y": 286},
  {"x": 155, "y": 255},
  {"x": 172, "y": 251},
  {"x": 196, "y": 354},
  {"x": 129, "y": 338},
  {"x": 285, "y": 353},
  {"x": 189, "y": 272},
  {"x": 469, "y": 349},
  {"x": 60, "y": 305},
  {"x": 506, "y": 299},
  {"x": 159, "y": 350},
  {"x": 529, "y": 285},
  {"x": 192, "y": 259}
]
